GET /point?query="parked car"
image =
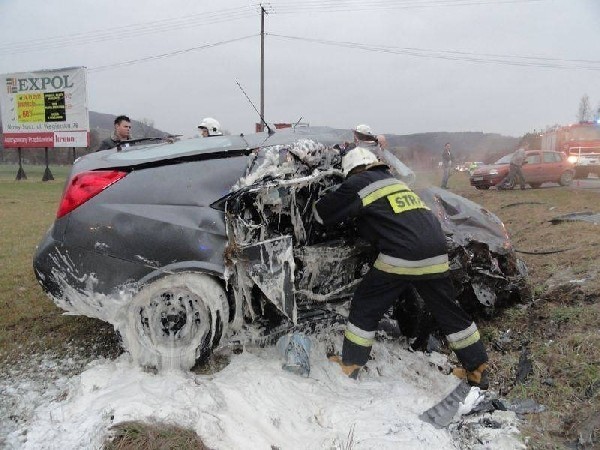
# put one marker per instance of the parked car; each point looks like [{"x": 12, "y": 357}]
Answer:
[
  {"x": 184, "y": 245},
  {"x": 539, "y": 167}
]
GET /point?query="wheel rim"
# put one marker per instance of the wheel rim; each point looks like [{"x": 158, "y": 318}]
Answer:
[
  {"x": 173, "y": 318},
  {"x": 175, "y": 321},
  {"x": 566, "y": 178}
]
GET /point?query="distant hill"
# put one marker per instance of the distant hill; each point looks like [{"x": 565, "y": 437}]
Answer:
[
  {"x": 424, "y": 150},
  {"x": 420, "y": 150},
  {"x": 466, "y": 146}
]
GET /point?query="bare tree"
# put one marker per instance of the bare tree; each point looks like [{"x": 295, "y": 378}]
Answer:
[{"x": 585, "y": 110}]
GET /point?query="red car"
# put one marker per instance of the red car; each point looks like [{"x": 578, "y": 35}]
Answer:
[{"x": 539, "y": 167}]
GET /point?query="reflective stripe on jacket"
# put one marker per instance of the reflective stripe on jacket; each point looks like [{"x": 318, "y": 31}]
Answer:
[{"x": 393, "y": 219}]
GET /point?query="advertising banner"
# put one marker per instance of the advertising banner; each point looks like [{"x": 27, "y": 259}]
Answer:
[{"x": 46, "y": 108}]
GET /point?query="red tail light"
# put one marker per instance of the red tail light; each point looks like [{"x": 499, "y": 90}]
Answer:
[{"x": 84, "y": 186}]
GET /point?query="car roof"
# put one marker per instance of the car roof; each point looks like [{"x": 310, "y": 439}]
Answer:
[{"x": 207, "y": 148}]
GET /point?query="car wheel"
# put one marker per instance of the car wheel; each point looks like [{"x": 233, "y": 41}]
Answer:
[
  {"x": 175, "y": 321},
  {"x": 535, "y": 185},
  {"x": 508, "y": 185},
  {"x": 566, "y": 178},
  {"x": 482, "y": 187}
]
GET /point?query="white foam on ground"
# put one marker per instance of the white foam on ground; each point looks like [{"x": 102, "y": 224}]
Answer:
[{"x": 253, "y": 404}]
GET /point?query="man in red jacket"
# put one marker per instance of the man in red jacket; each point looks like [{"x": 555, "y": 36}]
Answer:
[{"x": 412, "y": 251}]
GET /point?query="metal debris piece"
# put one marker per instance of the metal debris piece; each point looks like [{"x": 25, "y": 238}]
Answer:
[
  {"x": 525, "y": 406},
  {"x": 522, "y": 203},
  {"x": 525, "y": 367},
  {"x": 577, "y": 216},
  {"x": 441, "y": 414}
]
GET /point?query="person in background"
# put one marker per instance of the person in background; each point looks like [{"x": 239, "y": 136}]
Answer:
[
  {"x": 377, "y": 144},
  {"x": 364, "y": 137},
  {"x": 382, "y": 141},
  {"x": 210, "y": 127},
  {"x": 121, "y": 133},
  {"x": 446, "y": 164},
  {"x": 515, "y": 174},
  {"x": 412, "y": 252},
  {"x": 472, "y": 167}
]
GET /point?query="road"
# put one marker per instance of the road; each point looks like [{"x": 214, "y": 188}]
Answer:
[{"x": 587, "y": 184}]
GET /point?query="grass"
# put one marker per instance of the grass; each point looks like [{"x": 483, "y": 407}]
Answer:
[
  {"x": 136, "y": 435},
  {"x": 29, "y": 319},
  {"x": 560, "y": 328}
]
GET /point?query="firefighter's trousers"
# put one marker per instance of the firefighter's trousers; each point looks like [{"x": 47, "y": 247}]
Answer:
[{"x": 379, "y": 290}]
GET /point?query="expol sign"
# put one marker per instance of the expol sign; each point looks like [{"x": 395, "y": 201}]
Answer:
[
  {"x": 41, "y": 84},
  {"x": 47, "y": 108}
]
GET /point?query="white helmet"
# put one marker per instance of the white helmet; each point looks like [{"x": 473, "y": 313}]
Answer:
[
  {"x": 358, "y": 156},
  {"x": 363, "y": 129},
  {"x": 212, "y": 125}
]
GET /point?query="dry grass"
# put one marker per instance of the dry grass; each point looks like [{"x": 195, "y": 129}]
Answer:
[
  {"x": 29, "y": 320},
  {"x": 152, "y": 436},
  {"x": 560, "y": 329}
]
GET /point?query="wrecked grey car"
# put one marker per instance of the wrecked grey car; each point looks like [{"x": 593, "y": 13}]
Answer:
[{"x": 182, "y": 246}]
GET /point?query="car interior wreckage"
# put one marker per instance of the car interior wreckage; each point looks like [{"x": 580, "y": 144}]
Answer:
[{"x": 278, "y": 255}]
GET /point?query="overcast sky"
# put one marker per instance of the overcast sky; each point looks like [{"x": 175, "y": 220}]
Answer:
[{"x": 401, "y": 66}]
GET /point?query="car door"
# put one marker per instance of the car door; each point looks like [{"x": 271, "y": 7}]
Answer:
[
  {"x": 533, "y": 168},
  {"x": 553, "y": 166}
]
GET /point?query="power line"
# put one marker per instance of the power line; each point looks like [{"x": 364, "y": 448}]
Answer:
[
  {"x": 128, "y": 31},
  {"x": 167, "y": 55},
  {"x": 512, "y": 60},
  {"x": 359, "y": 5},
  {"x": 214, "y": 17}
]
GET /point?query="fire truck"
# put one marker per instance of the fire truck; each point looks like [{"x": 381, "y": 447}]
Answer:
[{"x": 580, "y": 142}]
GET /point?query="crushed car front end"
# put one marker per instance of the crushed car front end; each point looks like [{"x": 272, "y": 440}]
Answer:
[{"x": 279, "y": 256}]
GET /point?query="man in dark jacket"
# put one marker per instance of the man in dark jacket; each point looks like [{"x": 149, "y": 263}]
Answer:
[
  {"x": 122, "y": 133},
  {"x": 412, "y": 251},
  {"x": 515, "y": 174},
  {"x": 446, "y": 164}
]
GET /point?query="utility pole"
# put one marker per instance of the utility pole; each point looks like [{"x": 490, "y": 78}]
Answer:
[{"x": 262, "y": 66}]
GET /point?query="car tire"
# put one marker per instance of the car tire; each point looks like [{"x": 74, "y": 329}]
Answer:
[
  {"x": 482, "y": 187},
  {"x": 175, "y": 321},
  {"x": 535, "y": 185},
  {"x": 566, "y": 178},
  {"x": 509, "y": 185}
]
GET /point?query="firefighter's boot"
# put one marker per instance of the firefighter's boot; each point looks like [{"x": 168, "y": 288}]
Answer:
[
  {"x": 477, "y": 378},
  {"x": 351, "y": 370}
]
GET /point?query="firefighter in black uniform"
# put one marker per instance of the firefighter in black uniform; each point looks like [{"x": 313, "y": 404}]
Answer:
[{"x": 412, "y": 251}]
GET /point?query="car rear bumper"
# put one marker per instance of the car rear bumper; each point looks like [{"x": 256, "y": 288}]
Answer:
[
  {"x": 485, "y": 180},
  {"x": 59, "y": 268}
]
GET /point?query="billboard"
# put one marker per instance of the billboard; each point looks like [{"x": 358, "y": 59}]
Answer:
[{"x": 46, "y": 108}]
